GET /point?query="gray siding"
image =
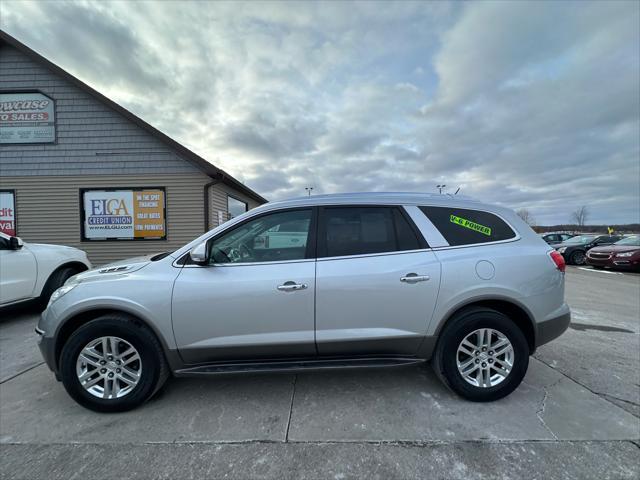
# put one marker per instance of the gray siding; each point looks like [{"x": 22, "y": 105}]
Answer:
[
  {"x": 48, "y": 211},
  {"x": 92, "y": 139},
  {"x": 218, "y": 201},
  {"x": 96, "y": 147}
]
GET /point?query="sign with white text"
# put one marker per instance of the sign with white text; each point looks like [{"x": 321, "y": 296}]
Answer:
[
  {"x": 27, "y": 118},
  {"x": 8, "y": 212},
  {"x": 124, "y": 214}
]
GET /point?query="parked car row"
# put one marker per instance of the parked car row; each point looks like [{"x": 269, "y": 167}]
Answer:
[
  {"x": 624, "y": 254},
  {"x": 601, "y": 251}
]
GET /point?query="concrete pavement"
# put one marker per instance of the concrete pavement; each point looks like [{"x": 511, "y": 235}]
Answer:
[{"x": 575, "y": 415}]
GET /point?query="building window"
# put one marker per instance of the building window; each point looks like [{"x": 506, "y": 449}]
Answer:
[{"x": 235, "y": 207}]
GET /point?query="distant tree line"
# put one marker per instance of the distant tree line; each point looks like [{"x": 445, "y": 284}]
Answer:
[{"x": 577, "y": 223}]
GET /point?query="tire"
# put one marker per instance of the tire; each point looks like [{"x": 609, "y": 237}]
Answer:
[
  {"x": 446, "y": 355},
  {"x": 54, "y": 282},
  {"x": 577, "y": 258},
  {"x": 153, "y": 369}
]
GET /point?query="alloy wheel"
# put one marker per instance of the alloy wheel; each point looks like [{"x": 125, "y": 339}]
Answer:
[
  {"x": 485, "y": 358},
  {"x": 109, "y": 367}
]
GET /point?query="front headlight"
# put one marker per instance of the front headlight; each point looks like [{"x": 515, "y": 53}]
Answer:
[
  {"x": 625, "y": 254},
  {"x": 61, "y": 291},
  {"x": 562, "y": 249}
]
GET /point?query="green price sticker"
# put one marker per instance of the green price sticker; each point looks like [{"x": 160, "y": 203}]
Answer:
[{"x": 476, "y": 227}]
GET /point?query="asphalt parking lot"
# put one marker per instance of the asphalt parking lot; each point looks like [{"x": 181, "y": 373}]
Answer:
[{"x": 577, "y": 414}]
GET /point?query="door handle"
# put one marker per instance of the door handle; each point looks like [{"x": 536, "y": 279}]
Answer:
[
  {"x": 291, "y": 286},
  {"x": 414, "y": 278}
]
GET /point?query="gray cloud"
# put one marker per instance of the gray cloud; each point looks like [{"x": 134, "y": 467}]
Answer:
[{"x": 528, "y": 104}]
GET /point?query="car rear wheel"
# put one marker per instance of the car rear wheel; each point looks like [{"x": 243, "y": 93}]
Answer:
[
  {"x": 482, "y": 355},
  {"x": 112, "y": 364},
  {"x": 577, "y": 258}
]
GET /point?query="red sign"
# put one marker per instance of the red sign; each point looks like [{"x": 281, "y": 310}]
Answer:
[{"x": 7, "y": 213}]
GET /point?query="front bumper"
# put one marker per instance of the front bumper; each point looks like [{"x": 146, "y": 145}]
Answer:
[
  {"x": 46, "y": 343},
  {"x": 47, "y": 349},
  {"x": 599, "y": 262},
  {"x": 552, "y": 328}
]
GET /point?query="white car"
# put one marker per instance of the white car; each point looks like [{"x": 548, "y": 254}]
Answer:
[{"x": 33, "y": 271}]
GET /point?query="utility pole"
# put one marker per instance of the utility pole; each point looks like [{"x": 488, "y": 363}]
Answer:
[
  {"x": 440, "y": 188},
  {"x": 308, "y": 189}
]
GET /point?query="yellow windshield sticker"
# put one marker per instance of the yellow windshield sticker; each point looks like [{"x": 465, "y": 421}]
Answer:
[{"x": 476, "y": 227}]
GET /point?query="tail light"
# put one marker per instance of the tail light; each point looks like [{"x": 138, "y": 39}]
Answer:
[{"x": 558, "y": 259}]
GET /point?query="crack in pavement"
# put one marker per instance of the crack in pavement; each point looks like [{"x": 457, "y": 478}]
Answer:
[
  {"x": 20, "y": 373},
  {"x": 600, "y": 395},
  {"x": 293, "y": 394},
  {"x": 630, "y": 402},
  {"x": 543, "y": 406},
  {"x": 391, "y": 443}
]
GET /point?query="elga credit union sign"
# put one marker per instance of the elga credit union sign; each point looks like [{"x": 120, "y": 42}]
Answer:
[
  {"x": 27, "y": 118},
  {"x": 123, "y": 214},
  {"x": 8, "y": 213}
]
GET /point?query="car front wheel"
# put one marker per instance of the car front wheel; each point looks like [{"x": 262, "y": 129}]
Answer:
[
  {"x": 482, "y": 355},
  {"x": 112, "y": 364},
  {"x": 577, "y": 258}
]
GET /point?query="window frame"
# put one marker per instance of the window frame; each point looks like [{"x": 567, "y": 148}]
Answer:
[
  {"x": 310, "y": 251},
  {"x": 321, "y": 247},
  {"x": 467, "y": 245},
  {"x": 246, "y": 206}
]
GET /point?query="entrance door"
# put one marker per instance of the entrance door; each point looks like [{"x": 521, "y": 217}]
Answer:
[{"x": 255, "y": 298}]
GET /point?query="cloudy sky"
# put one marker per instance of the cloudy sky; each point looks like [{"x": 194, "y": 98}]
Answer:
[{"x": 531, "y": 105}]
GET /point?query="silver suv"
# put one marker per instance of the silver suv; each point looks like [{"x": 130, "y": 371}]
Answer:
[{"x": 350, "y": 280}]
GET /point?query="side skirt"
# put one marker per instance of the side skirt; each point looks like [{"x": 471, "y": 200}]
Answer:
[{"x": 297, "y": 365}]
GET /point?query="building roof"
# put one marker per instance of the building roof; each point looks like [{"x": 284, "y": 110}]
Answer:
[{"x": 208, "y": 168}]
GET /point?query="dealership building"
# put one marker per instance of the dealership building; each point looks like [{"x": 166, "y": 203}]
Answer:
[{"x": 78, "y": 169}]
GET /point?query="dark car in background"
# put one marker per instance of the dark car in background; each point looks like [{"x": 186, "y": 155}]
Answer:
[
  {"x": 556, "y": 238},
  {"x": 575, "y": 249},
  {"x": 624, "y": 255}
]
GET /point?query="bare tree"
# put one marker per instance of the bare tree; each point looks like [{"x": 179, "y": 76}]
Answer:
[
  {"x": 526, "y": 215},
  {"x": 580, "y": 215}
]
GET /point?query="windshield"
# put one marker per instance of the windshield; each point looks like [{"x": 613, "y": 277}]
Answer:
[
  {"x": 581, "y": 239},
  {"x": 633, "y": 240}
]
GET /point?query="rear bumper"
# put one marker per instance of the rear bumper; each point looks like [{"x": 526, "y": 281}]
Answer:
[{"x": 552, "y": 328}]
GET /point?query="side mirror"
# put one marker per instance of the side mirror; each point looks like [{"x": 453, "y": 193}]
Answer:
[
  {"x": 198, "y": 254},
  {"x": 15, "y": 243}
]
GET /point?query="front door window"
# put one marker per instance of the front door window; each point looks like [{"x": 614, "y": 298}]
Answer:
[{"x": 281, "y": 236}]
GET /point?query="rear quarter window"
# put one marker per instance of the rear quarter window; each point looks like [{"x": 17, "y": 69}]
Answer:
[{"x": 461, "y": 226}]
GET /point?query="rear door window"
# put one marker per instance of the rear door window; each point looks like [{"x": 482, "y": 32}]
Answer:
[
  {"x": 346, "y": 231},
  {"x": 461, "y": 226}
]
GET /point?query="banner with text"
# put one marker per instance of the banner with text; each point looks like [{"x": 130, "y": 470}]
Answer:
[
  {"x": 124, "y": 214},
  {"x": 8, "y": 213},
  {"x": 27, "y": 118}
]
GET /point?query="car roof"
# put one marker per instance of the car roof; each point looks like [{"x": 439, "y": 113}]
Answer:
[{"x": 376, "y": 198}]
